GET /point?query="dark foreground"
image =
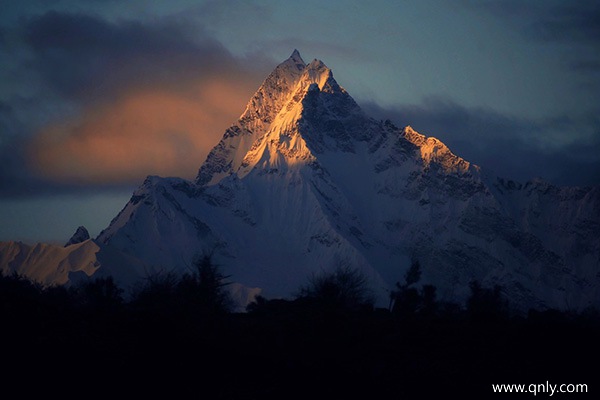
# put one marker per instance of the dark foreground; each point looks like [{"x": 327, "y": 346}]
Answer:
[{"x": 282, "y": 350}]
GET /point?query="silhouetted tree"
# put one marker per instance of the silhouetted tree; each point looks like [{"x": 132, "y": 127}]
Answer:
[
  {"x": 261, "y": 306},
  {"x": 429, "y": 305},
  {"x": 258, "y": 305},
  {"x": 99, "y": 294},
  {"x": 205, "y": 288},
  {"x": 413, "y": 274},
  {"x": 344, "y": 288},
  {"x": 406, "y": 299},
  {"x": 200, "y": 291},
  {"x": 156, "y": 294},
  {"x": 18, "y": 295}
]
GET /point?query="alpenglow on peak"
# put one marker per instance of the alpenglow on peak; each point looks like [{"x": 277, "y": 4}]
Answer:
[
  {"x": 296, "y": 57},
  {"x": 284, "y": 90}
]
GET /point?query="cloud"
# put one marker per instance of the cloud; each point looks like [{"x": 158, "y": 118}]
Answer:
[
  {"x": 86, "y": 57},
  {"x": 144, "y": 132},
  {"x": 125, "y": 99},
  {"x": 9, "y": 123},
  {"x": 585, "y": 66},
  {"x": 564, "y": 149},
  {"x": 571, "y": 27},
  {"x": 573, "y": 21}
]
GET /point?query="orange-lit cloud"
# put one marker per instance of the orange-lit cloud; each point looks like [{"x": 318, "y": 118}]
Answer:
[{"x": 144, "y": 132}]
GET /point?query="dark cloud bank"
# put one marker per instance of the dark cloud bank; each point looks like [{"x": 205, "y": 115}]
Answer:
[
  {"x": 574, "y": 24},
  {"x": 509, "y": 147},
  {"x": 72, "y": 64},
  {"x": 88, "y": 58}
]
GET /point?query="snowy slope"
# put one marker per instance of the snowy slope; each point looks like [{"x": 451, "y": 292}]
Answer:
[
  {"x": 50, "y": 264},
  {"x": 34, "y": 261}
]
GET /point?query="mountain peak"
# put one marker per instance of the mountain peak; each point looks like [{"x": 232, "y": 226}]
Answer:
[
  {"x": 267, "y": 100},
  {"x": 255, "y": 121},
  {"x": 296, "y": 57},
  {"x": 317, "y": 72},
  {"x": 80, "y": 235},
  {"x": 316, "y": 64},
  {"x": 294, "y": 63}
]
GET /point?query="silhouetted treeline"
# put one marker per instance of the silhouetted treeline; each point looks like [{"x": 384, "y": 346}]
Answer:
[{"x": 178, "y": 334}]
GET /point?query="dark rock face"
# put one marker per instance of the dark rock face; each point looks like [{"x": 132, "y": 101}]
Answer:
[{"x": 80, "y": 235}]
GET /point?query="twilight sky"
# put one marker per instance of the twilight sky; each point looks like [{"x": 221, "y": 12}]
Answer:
[{"x": 97, "y": 94}]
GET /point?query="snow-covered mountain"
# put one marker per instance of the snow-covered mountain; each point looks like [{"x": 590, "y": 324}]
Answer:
[{"x": 305, "y": 181}]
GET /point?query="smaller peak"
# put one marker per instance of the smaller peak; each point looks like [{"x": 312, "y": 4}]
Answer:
[
  {"x": 296, "y": 59},
  {"x": 509, "y": 184},
  {"x": 151, "y": 180},
  {"x": 408, "y": 131},
  {"x": 80, "y": 235},
  {"x": 539, "y": 182},
  {"x": 413, "y": 136},
  {"x": 317, "y": 72},
  {"x": 317, "y": 64}
]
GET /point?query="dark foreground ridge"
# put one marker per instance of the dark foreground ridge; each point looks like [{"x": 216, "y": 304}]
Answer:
[{"x": 175, "y": 335}]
